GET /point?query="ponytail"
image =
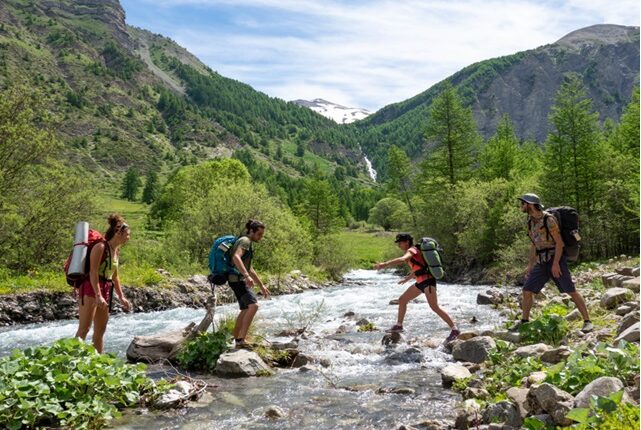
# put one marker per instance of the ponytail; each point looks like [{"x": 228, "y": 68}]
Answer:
[{"x": 253, "y": 225}]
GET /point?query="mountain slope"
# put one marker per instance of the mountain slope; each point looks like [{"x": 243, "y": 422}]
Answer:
[
  {"x": 126, "y": 97},
  {"x": 522, "y": 85}
]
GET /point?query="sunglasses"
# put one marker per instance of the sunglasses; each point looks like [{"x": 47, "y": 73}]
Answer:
[{"x": 123, "y": 227}]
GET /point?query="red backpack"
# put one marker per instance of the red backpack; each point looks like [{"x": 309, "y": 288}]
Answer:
[{"x": 94, "y": 237}]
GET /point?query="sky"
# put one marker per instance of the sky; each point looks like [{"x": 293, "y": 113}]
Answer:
[{"x": 363, "y": 53}]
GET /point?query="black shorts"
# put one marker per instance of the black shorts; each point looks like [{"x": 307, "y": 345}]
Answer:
[
  {"x": 243, "y": 294},
  {"x": 425, "y": 284}
]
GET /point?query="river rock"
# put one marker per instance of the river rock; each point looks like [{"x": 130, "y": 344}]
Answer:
[
  {"x": 391, "y": 339},
  {"x": 302, "y": 360},
  {"x": 625, "y": 271},
  {"x": 452, "y": 373},
  {"x": 469, "y": 415},
  {"x": 550, "y": 399},
  {"x": 534, "y": 378},
  {"x": 603, "y": 386},
  {"x": 490, "y": 297},
  {"x": 325, "y": 362},
  {"x": 503, "y": 412},
  {"x": 363, "y": 321},
  {"x": 410, "y": 355},
  {"x": 476, "y": 393},
  {"x": 556, "y": 355},
  {"x": 394, "y": 302},
  {"x": 467, "y": 335},
  {"x": 396, "y": 390},
  {"x": 508, "y": 336},
  {"x": 518, "y": 396},
  {"x": 632, "y": 284},
  {"x": 475, "y": 350},
  {"x": 628, "y": 321},
  {"x": 614, "y": 296},
  {"x": 631, "y": 334},
  {"x": 349, "y": 314},
  {"x": 181, "y": 392},
  {"x": 626, "y": 308},
  {"x": 274, "y": 412},
  {"x": 532, "y": 350},
  {"x": 575, "y": 315},
  {"x": 240, "y": 363},
  {"x": 433, "y": 342}
]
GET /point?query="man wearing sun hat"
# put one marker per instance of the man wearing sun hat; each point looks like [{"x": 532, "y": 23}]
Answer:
[{"x": 546, "y": 261}]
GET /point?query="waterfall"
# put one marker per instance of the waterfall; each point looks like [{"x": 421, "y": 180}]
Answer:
[{"x": 370, "y": 169}]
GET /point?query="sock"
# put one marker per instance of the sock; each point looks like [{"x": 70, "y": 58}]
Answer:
[
  {"x": 586, "y": 321},
  {"x": 524, "y": 321}
]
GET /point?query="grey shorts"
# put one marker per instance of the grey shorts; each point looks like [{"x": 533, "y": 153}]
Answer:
[
  {"x": 243, "y": 294},
  {"x": 542, "y": 272}
]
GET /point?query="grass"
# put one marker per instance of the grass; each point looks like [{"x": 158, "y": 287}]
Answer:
[{"x": 368, "y": 248}]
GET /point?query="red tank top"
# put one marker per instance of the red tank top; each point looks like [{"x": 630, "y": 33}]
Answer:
[{"x": 417, "y": 255}]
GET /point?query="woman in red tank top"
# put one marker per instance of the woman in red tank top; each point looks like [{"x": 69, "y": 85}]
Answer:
[{"x": 425, "y": 284}]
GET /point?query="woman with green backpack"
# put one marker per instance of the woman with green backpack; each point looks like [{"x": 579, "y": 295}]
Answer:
[
  {"x": 95, "y": 292},
  {"x": 425, "y": 283}
]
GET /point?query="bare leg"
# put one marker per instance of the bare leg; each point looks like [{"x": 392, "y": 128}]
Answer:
[
  {"x": 86, "y": 314},
  {"x": 238, "y": 325},
  {"x": 528, "y": 299},
  {"x": 247, "y": 320},
  {"x": 100, "y": 327},
  {"x": 430, "y": 293},
  {"x": 580, "y": 304},
  {"x": 410, "y": 294}
]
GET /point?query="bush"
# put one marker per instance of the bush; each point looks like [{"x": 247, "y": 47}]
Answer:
[
  {"x": 584, "y": 366},
  {"x": 550, "y": 329},
  {"x": 507, "y": 369},
  {"x": 68, "y": 384},
  {"x": 203, "y": 352}
]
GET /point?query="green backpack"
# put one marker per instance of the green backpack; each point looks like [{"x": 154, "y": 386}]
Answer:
[{"x": 431, "y": 251}]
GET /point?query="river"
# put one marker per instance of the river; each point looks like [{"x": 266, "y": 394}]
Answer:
[{"x": 309, "y": 398}]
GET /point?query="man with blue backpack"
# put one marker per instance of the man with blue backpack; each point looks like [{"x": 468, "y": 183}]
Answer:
[{"x": 230, "y": 260}]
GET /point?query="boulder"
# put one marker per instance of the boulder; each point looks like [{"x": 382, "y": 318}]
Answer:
[
  {"x": 625, "y": 271},
  {"x": 552, "y": 400},
  {"x": 508, "y": 336},
  {"x": 452, "y": 373},
  {"x": 628, "y": 321},
  {"x": 518, "y": 396},
  {"x": 535, "y": 378},
  {"x": 484, "y": 299},
  {"x": 302, "y": 360},
  {"x": 575, "y": 315},
  {"x": 503, "y": 412},
  {"x": 631, "y": 334},
  {"x": 240, "y": 363},
  {"x": 614, "y": 296},
  {"x": 467, "y": 335},
  {"x": 556, "y": 355},
  {"x": 476, "y": 393},
  {"x": 625, "y": 309},
  {"x": 532, "y": 350},
  {"x": 410, "y": 355},
  {"x": 603, "y": 386},
  {"x": 469, "y": 415},
  {"x": 607, "y": 278},
  {"x": 632, "y": 284},
  {"x": 475, "y": 350},
  {"x": 391, "y": 339}
]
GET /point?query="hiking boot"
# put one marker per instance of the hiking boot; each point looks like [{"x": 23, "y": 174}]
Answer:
[
  {"x": 517, "y": 325},
  {"x": 587, "y": 327},
  {"x": 242, "y": 344},
  {"x": 453, "y": 335},
  {"x": 396, "y": 328}
]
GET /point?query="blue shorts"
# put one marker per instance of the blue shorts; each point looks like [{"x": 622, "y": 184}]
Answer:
[{"x": 542, "y": 272}]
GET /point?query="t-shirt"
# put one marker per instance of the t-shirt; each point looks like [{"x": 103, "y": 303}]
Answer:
[
  {"x": 416, "y": 255},
  {"x": 538, "y": 233},
  {"x": 246, "y": 244}
]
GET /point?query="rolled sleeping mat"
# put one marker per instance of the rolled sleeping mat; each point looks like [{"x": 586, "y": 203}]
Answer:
[
  {"x": 79, "y": 253},
  {"x": 429, "y": 249}
]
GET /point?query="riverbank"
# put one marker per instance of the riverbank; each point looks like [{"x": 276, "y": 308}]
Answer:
[
  {"x": 544, "y": 375},
  {"x": 43, "y": 306}
]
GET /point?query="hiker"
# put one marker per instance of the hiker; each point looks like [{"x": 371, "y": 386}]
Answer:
[
  {"x": 242, "y": 281},
  {"x": 546, "y": 260},
  {"x": 425, "y": 283},
  {"x": 96, "y": 292}
]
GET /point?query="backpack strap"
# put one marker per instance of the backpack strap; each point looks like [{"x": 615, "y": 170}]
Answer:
[
  {"x": 419, "y": 262},
  {"x": 545, "y": 224}
]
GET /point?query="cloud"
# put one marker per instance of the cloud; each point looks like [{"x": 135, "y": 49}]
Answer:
[{"x": 371, "y": 53}]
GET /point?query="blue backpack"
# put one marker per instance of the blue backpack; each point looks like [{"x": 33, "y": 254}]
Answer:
[{"x": 220, "y": 263}]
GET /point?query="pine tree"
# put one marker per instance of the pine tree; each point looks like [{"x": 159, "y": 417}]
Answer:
[
  {"x": 399, "y": 172},
  {"x": 500, "y": 154},
  {"x": 151, "y": 190},
  {"x": 131, "y": 184},
  {"x": 452, "y": 137},
  {"x": 321, "y": 206},
  {"x": 571, "y": 155}
]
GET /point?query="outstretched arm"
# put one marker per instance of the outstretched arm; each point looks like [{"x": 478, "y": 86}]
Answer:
[{"x": 394, "y": 262}]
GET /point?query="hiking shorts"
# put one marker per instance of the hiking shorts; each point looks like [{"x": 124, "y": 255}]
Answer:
[
  {"x": 86, "y": 289},
  {"x": 243, "y": 294},
  {"x": 542, "y": 272},
  {"x": 428, "y": 283}
]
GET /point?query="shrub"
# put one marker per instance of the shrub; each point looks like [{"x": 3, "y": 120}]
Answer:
[
  {"x": 550, "y": 329},
  {"x": 584, "y": 366},
  {"x": 203, "y": 352},
  {"x": 506, "y": 369},
  {"x": 68, "y": 384}
]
